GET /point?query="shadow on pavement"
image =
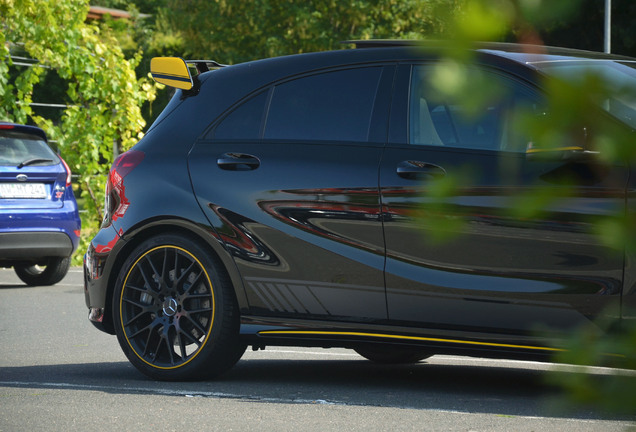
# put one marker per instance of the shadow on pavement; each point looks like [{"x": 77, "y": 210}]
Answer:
[{"x": 477, "y": 389}]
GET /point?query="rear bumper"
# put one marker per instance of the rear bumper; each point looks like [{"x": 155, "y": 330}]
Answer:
[
  {"x": 34, "y": 245},
  {"x": 96, "y": 317},
  {"x": 31, "y": 234},
  {"x": 97, "y": 268}
]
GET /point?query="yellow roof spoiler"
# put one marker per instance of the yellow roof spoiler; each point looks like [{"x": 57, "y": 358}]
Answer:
[{"x": 176, "y": 72}]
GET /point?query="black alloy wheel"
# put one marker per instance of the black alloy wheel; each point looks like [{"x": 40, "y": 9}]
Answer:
[{"x": 175, "y": 313}]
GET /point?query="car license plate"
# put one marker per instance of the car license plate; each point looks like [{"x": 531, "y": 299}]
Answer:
[{"x": 22, "y": 190}]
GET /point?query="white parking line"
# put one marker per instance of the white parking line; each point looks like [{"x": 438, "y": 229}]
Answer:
[{"x": 223, "y": 395}]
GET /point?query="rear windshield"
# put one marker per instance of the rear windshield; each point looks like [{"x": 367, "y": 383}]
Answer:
[
  {"x": 17, "y": 148},
  {"x": 618, "y": 76}
]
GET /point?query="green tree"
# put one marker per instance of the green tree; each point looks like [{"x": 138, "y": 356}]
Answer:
[
  {"x": 583, "y": 28},
  {"x": 103, "y": 94},
  {"x": 237, "y": 31},
  {"x": 147, "y": 32}
]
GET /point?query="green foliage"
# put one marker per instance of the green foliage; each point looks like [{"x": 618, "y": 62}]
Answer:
[
  {"x": 613, "y": 392},
  {"x": 580, "y": 24},
  {"x": 440, "y": 220},
  {"x": 103, "y": 93},
  {"x": 571, "y": 117},
  {"x": 236, "y": 31}
]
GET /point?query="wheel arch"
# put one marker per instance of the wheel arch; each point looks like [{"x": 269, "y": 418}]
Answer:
[{"x": 206, "y": 237}]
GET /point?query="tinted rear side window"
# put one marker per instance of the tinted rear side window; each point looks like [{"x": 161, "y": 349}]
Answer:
[
  {"x": 333, "y": 106},
  {"x": 245, "y": 122}
]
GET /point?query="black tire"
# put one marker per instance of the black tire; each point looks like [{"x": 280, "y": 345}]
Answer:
[
  {"x": 175, "y": 313},
  {"x": 49, "y": 274},
  {"x": 393, "y": 354}
]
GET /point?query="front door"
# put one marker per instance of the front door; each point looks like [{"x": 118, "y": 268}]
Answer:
[{"x": 465, "y": 253}]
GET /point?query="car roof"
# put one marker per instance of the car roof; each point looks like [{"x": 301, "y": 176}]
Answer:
[
  {"x": 230, "y": 84},
  {"x": 32, "y": 130},
  {"x": 374, "y": 50},
  {"x": 522, "y": 53}
]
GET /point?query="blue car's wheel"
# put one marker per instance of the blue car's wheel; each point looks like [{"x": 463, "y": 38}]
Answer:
[
  {"x": 50, "y": 273},
  {"x": 175, "y": 313}
]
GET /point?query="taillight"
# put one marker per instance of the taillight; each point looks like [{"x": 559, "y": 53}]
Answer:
[
  {"x": 115, "y": 201},
  {"x": 125, "y": 162},
  {"x": 68, "y": 172}
]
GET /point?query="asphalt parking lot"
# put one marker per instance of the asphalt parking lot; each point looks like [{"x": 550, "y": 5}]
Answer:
[{"x": 58, "y": 373}]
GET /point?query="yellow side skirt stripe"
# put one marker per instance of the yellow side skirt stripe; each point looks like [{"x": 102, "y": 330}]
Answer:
[{"x": 402, "y": 337}]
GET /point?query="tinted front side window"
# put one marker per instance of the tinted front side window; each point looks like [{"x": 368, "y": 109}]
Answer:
[
  {"x": 435, "y": 120},
  {"x": 618, "y": 77},
  {"x": 333, "y": 106}
]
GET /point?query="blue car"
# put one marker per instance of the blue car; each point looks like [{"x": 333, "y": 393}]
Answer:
[{"x": 39, "y": 221}]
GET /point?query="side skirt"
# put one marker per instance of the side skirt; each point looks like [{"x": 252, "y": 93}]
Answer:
[{"x": 260, "y": 332}]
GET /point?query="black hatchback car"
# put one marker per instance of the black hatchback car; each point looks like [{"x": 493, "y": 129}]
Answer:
[{"x": 284, "y": 202}]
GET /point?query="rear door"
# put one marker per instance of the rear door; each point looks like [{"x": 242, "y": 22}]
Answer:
[
  {"x": 469, "y": 259},
  {"x": 292, "y": 174}
]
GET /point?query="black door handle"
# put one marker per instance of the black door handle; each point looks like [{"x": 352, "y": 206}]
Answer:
[
  {"x": 416, "y": 170},
  {"x": 238, "y": 162}
]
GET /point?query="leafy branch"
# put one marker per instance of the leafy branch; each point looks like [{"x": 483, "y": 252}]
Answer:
[{"x": 103, "y": 96}]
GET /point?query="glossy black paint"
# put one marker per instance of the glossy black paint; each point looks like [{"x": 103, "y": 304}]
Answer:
[
  {"x": 495, "y": 272},
  {"x": 324, "y": 242},
  {"x": 310, "y": 248}
]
